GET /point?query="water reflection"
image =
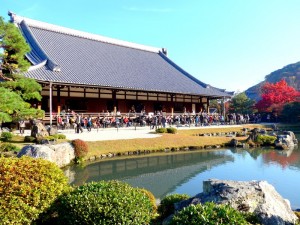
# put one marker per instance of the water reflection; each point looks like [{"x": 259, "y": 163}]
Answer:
[
  {"x": 185, "y": 172},
  {"x": 161, "y": 173}
]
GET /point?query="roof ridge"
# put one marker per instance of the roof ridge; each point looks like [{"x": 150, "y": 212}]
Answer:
[{"x": 16, "y": 19}]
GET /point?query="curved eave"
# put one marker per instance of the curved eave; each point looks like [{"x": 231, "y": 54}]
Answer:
[{"x": 126, "y": 88}]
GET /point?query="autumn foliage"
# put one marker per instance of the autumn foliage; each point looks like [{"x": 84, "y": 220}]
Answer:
[
  {"x": 275, "y": 96},
  {"x": 80, "y": 147}
]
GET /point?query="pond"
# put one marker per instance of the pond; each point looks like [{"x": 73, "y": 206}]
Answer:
[{"x": 168, "y": 173}]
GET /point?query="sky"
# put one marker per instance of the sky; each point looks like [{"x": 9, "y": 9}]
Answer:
[{"x": 229, "y": 44}]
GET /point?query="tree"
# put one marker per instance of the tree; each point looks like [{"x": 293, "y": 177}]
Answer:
[
  {"x": 15, "y": 89},
  {"x": 275, "y": 96},
  {"x": 291, "y": 112},
  {"x": 217, "y": 104},
  {"x": 240, "y": 103}
]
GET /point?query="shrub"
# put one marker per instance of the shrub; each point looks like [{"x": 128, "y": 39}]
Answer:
[
  {"x": 105, "y": 202},
  {"x": 27, "y": 188},
  {"x": 80, "y": 148},
  {"x": 6, "y": 136},
  {"x": 29, "y": 139},
  {"x": 151, "y": 198},
  {"x": 166, "y": 207},
  {"x": 209, "y": 213},
  {"x": 59, "y": 136},
  {"x": 265, "y": 139},
  {"x": 7, "y": 147},
  {"x": 161, "y": 130},
  {"x": 171, "y": 130}
]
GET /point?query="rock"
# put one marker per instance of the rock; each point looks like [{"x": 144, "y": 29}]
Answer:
[
  {"x": 233, "y": 143},
  {"x": 61, "y": 154},
  {"x": 92, "y": 158},
  {"x": 258, "y": 197},
  {"x": 52, "y": 130},
  {"x": 38, "y": 130},
  {"x": 253, "y": 135},
  {"x": 286, "y": 140}
]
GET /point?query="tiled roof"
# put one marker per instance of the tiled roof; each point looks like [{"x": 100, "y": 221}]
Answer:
[{"x": 64, "y": 55}]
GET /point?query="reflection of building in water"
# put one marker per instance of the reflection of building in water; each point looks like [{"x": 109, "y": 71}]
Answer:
[{"x": 159, "y": 174}]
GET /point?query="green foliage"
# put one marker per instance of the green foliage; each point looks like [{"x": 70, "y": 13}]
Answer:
[
  {"x": 171, "y": 130},
  {"x": 29, "y": 139},
  {"x": 291, "y": 112},
  {"x": 166, "y": 207},
  {"x": 297, "y": 214},
  {"x": 59, "y": 136},
  {"x": 151, "y": 198},
  {"x": 80, "y": 147},
  {"x": 161, "y": 130},
  {"x": 13, "y": 47},
  {"x": 27, "y": 188},
  {"x": 208, "y": 214},
  {"x": 12, "y": 106},
  {"x": 217, "y": 104},
  {"x": 7, "y": 147},
  {"x": 6, "y": 136},
  {"x": 265, "y": 139},
  {"x": 27, "y": 88},
  {"x": 105, "y": 202},
  {"x": 16, "y": 89},
  {"x": 240, "y": 103}
]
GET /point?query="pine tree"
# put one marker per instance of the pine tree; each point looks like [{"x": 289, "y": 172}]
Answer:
[{"x": 15, "y": 89}]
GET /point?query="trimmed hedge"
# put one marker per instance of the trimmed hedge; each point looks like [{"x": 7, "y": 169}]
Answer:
[
  {"x": 151, "y": 198},
  {"x": 59, "y": 136},
  {"x": 166, "y": 207},
  {"x": 209, "y": 214},
  {"x": 6, "y": 136},
  {"x": 7, "y": 147},
  {"x": 161, "y": 130},
  {"x": 27, "y": 188},
  {"x": 105, "y": 202},
  {"x": 171, "y": 130}
]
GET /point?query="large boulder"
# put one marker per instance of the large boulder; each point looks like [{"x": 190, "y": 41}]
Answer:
[
  {"x": 258, "y": 197},
  {"x": 61, "y": 154},
  {"x": 286, "y": 140}
]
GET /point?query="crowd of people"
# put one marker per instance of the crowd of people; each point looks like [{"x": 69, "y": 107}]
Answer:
[{"x": 77, "y": 121}]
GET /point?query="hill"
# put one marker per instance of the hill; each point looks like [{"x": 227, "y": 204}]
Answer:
[{"x": 291, "y": 74}]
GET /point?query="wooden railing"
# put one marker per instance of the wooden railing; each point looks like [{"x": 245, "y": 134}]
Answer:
[{"x": 46, "y": 118}]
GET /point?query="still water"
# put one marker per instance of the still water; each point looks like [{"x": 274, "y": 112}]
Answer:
[{"x": 184, "y": 172}]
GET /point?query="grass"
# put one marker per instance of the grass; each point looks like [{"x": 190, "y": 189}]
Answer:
[{"x": 184, "y": 138}]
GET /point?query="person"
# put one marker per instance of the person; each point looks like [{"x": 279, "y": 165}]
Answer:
[
  {"x": 89, "y": 123},
  {"x": 78, "y": 124},
  {"x": 22, "y": 126}
]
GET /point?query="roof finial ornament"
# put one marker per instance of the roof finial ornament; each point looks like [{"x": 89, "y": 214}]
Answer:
[{"x": 165, "y": 51}]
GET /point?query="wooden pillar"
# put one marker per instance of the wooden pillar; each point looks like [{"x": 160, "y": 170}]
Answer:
[
  {"x": 50, "y": 102},
  {"x": 58, "y": 100},
  {"x": 207, "y": 105},
  {"x": 224, "y": 113},
  {"x": 114, "y": 96},
  {"x": 172, "y": 103}
]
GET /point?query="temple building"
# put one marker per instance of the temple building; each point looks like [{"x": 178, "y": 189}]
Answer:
[{"x": 91, "y": 73}]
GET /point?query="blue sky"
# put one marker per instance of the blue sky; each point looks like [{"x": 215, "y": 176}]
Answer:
[{"x": 231, "y": 44}]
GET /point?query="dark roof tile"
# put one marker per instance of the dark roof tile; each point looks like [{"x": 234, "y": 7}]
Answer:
[{"x": 79, "y": 58}]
